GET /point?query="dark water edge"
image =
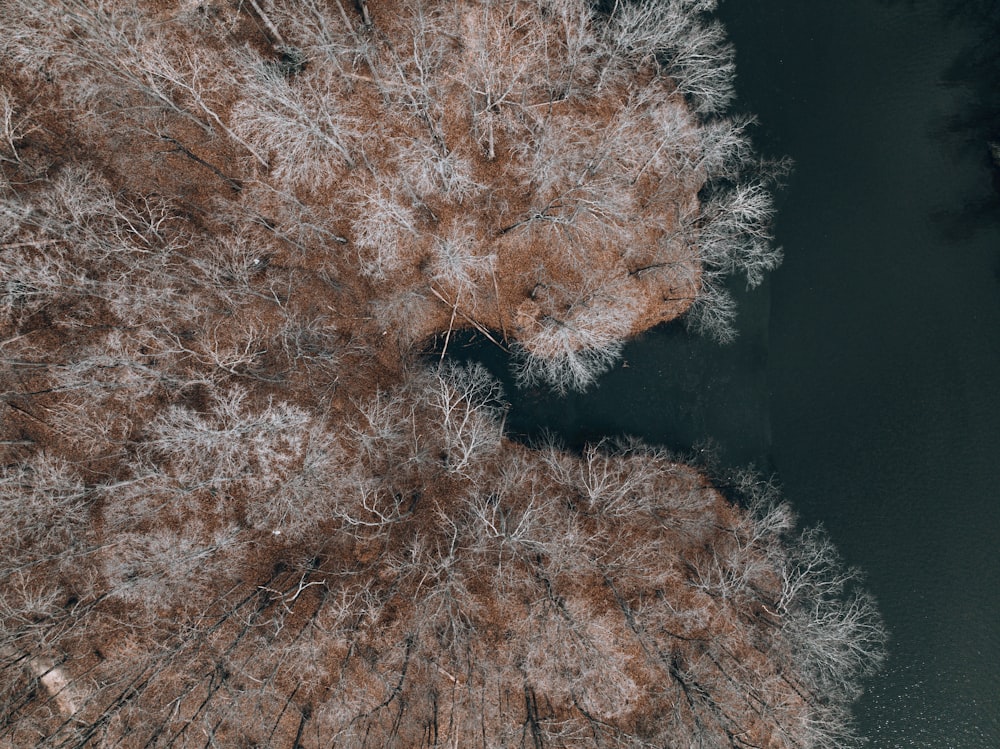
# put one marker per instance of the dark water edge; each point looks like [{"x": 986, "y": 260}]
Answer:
[
  {"x": 884, "y": 355},
  {"x": 867, "y": 370},
  {"x": 671, "y": 388}
]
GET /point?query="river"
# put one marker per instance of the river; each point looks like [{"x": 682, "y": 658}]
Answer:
[{"x": 866, "y": 376}]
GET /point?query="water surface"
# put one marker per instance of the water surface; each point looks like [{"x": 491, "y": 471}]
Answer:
[{"x": 884, "y": 339}]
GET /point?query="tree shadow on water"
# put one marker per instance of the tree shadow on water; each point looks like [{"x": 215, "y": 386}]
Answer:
[{"x": 974, "y": 128}]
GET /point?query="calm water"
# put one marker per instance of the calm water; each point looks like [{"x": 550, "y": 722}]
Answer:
[
  {"x": 867, "y": 373},
  {"x": 883, "y": 360}
]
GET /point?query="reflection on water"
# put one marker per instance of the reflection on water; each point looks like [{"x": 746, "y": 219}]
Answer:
[{"x": 903, "y": 692}]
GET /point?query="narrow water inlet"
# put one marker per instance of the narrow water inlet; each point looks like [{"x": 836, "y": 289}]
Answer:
[{"x": 867, "y": 369}]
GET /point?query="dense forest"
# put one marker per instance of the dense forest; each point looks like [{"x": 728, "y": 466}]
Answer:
[{"x": 244, "y": 507}]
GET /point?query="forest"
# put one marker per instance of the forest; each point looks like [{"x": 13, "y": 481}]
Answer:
[{"x": 249, "y": 499}]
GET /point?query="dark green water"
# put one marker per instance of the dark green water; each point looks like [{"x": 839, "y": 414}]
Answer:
[
  {"x": 867, "y": 372},
  {"x": 883, "y": 360}
]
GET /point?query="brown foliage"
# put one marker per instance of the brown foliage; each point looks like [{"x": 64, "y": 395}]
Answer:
[{"x": 239, "y": 512}]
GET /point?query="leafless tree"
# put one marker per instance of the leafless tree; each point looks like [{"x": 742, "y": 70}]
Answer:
[
  {"x": 384, "y": 424},
  {"x": 498, "y": 79},
  {"x": 735, "y": 235},
  {"x": 45, "y": 503},
  {"x": 121, "y": 65},
  {"x": 15, "y": 125},
  {"x": 431, "y": 170},
  {"x": 836, "y": 631},
  {"x": 464, "y": 402},
  {"x": 303, "y": 123},
  {"x": 307, "y": 494},
  {"x": 457, "y": 265},
  {"x": 567, "y": 341},
  {"x": 386, "y": 225},
  {"x": 165, "y": 567},
  {"x": 713, "y": 313},
  {"x": 234, "y": 443},
  {"x": 675, "y": 34}
]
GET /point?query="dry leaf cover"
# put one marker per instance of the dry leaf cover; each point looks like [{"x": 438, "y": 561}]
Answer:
[{"x": 240, "y": 510}]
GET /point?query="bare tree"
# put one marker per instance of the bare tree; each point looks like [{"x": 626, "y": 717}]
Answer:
[
  {"x": 302, "y": 123},
  {"x": 46, "y": 505},
  {"x": 383, "y": 426},
  {"x": 457, "y": 265},
  {"x": 465, "y": 402},
  {"x": 713, "y": 313},
  {"x": 166, "y": 567},
  {"x": 308, "y": 494},
  {"x": 234, "y": 443},
  {"x": 15, "y": 125},
  {"x": 121, "y": 65},
  {"x": 567, "y": 342},
  {"x": 735, "y": 235},
  {"x": 499, "y": 79},
  {"x": 432, "y": 170},
  {"x": 387, "y": 224},
  {"x": 675, "y": 34},
  {"x": 835, "y": 629}
]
